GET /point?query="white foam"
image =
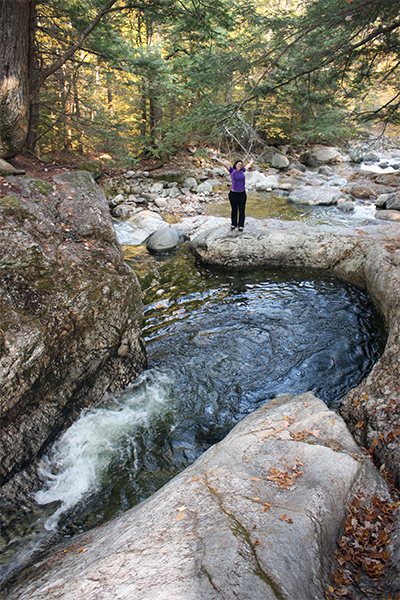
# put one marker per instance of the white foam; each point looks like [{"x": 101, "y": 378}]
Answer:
[
  {"x": 376, "y": 169},
  {"x": 364, "y": 211},
  {"x": 80, "y": 457}
]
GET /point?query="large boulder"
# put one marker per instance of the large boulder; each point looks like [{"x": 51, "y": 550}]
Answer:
[
  {"x": 389, "y": 179},
  {"x": 361, "y": 191},
  {"x": 279, "y": 161},
  {"x": 327, "y": 154},
  {"x": 191, "y": 183},
  {"x": 309, "y": 159},
  {"x": 205, "y": 186},
  {"x": 275, "y": 159},
  {"x": 256, "y": 517},
  {"x": 313, "y": 196},
  {"x": 393, "y": 202},
  {"x": 71, "y": 314},
  {"x": 140, "y": 225}
]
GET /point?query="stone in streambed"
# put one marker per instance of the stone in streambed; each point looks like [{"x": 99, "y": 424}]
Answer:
[
  {"x": 313, "y": 196},
  {"x": 164, "y": 240}
]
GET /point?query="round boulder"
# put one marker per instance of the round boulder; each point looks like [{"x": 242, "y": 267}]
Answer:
[
  {"x": 346, "y": 207},
  {"x": 309, "y": 159},
  {"x": 206, "y": 186},
  {"x": 279, "y": 161},
  {"x": 388, "y": 215},
  {"x": 190, "y": 183},
  {"x": 163, "y": 240}
]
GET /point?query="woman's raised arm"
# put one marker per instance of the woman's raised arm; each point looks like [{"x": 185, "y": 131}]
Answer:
[{"x": 221, "y": 162}]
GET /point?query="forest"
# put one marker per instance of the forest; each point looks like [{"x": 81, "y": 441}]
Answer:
[{"x": 125, "y": 79}]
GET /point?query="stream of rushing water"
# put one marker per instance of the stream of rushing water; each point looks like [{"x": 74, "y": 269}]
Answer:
[{"x": 219, "y": 344}]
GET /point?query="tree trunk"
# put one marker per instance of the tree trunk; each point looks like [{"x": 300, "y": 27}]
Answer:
[
  {"x": 15, "y": 16},
  {"x": 143, "y": 108},
  {"x": 77, "y": 112},
  {"x": 33, "y": 126},
  {"x": 155, "y": 113}
]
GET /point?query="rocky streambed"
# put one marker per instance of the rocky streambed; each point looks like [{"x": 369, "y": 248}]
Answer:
[{"x": 286, "y": 477}]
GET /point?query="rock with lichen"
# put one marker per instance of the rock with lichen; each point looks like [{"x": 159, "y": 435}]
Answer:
[{"x": 71, "y": 312}]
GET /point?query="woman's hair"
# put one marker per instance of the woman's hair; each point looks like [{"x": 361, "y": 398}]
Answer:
[{"x": 236, "y": 162}]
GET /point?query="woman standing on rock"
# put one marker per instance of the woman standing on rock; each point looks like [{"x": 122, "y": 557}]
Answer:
[{"x": 237, "y": 194}]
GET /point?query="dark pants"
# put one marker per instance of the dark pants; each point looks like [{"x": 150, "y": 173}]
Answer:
[{"x": 238, "y": 203}]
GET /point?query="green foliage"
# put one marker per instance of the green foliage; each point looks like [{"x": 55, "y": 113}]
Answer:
[{"x": 156, "y": 75}]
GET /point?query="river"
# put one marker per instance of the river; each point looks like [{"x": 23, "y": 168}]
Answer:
[{"x": 219, "y": 344}]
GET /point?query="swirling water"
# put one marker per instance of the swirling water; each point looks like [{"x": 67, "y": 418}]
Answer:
[{"x": 219, "y": 344}]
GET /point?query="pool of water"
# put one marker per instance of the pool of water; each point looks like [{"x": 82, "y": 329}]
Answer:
[{"x": 219, "y": 344}]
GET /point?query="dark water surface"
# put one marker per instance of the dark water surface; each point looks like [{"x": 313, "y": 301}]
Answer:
[{"x": 219, "y": 344}]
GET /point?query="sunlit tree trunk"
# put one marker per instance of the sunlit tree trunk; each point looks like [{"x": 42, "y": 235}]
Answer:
[
  {"x": 110, "y": 83},
  {"x": 63, "y": 99},
  {"x": 15, "y": 23},
  {"x": 77, "y": 111}
]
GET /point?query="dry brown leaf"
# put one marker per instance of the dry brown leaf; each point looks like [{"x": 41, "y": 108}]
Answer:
[{"x": 180, "y": 516}]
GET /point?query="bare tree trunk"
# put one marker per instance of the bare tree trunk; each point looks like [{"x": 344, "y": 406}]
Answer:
[
  {"x": 63, "y": 99},
  {"x": 143, "y": 109},
  {"x": 110, "y": 85},
  {"x": 77, "y": 112},
  {"x": 15, "y": 19},
  {"x": 34, "y": 115}
]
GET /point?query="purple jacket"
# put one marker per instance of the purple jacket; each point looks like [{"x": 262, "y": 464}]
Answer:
[{"x": 238, "y": 179}]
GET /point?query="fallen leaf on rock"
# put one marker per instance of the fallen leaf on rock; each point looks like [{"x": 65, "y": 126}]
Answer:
[
  {"x": 283, "y": 517},
  {"x": 284, "y": 479},
  {"x": 180, "y": 516}
]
